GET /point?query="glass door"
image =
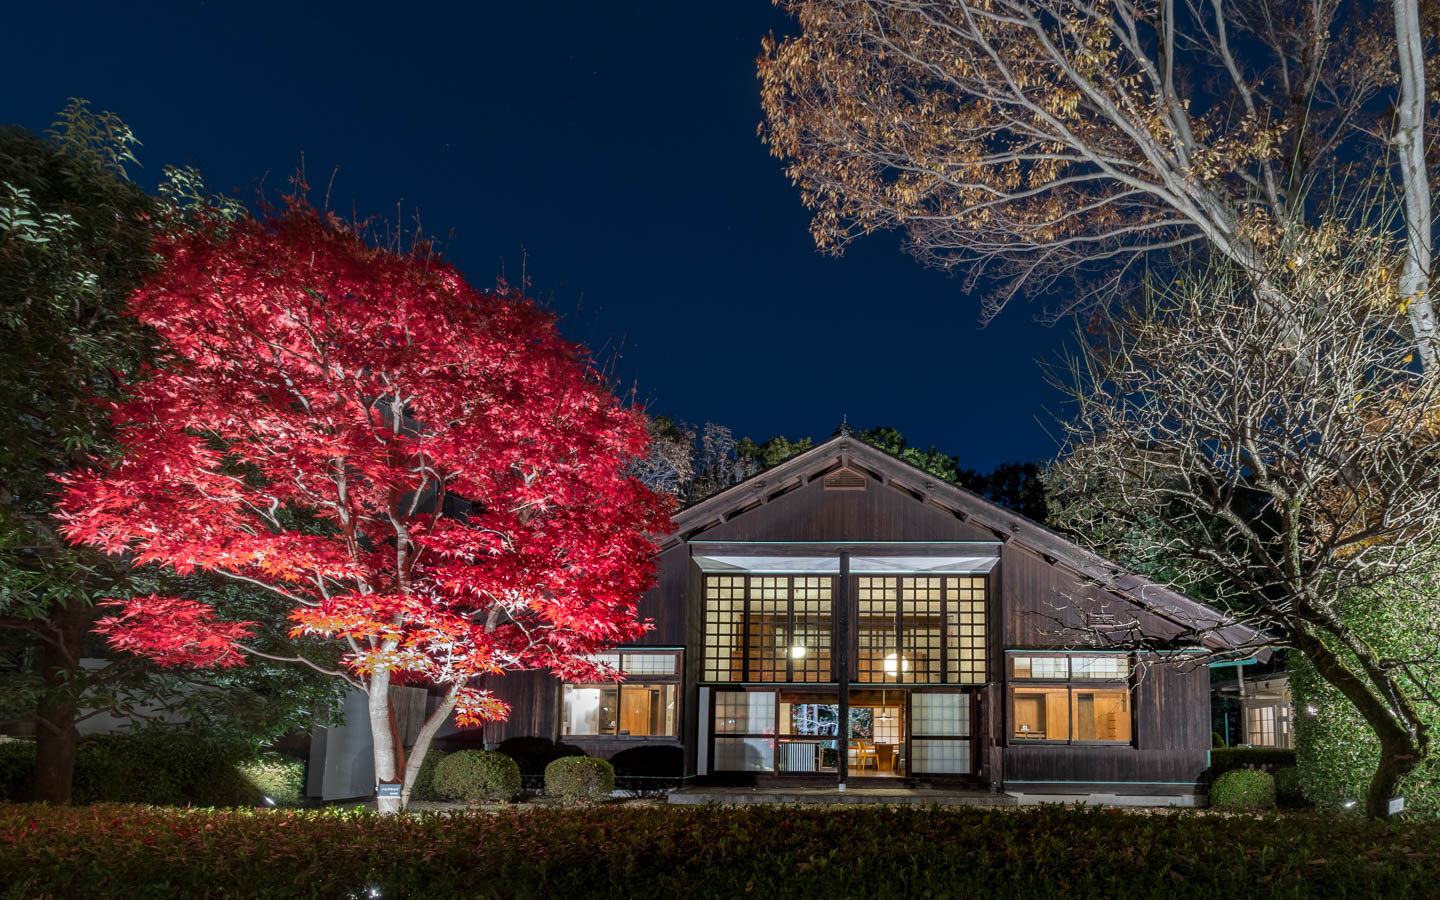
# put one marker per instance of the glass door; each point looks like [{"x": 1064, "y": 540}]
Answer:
[{"x": 876, "y": 738}]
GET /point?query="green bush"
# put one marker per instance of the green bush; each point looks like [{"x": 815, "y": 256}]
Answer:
[
  {"x": 1335, "y": 749},
  {"x": 165, "y": 769},
  {"x": 574, "y": 777},
  {"x": 169, "y": 769},
  {"x": 1287, "y": 788},
  {"x": 424, "y": 786},
  {"x": 277, "y": 776},
  {"x": 477, "y": 775},
  {"x": 1216, "y": 740},
  {"x": 1243, "y": 789},
  {"x": 613, "y": 850},
  {"x": 1266, "y": 759}
]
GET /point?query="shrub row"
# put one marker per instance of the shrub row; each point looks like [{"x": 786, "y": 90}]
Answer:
[
  {"x": 1265, "y": 759},
  {"x": 630, "y": 851},
  {"x": 476, "y": 775},
  {"x": 173, "y": 770}
]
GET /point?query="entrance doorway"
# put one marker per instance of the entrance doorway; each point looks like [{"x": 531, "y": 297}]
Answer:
[{"x": 879, "y": 732}]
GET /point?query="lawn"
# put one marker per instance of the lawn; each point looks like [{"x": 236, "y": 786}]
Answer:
[{"x": 623, "y": 851}]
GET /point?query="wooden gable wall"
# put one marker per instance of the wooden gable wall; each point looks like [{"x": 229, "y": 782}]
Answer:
[{"x": 878, "y": 513}]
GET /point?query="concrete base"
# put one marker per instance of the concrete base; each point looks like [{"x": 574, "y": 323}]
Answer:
[{"x": 743, "y": 796}]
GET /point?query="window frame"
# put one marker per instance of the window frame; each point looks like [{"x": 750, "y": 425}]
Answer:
[
  {"x": 676, "y": 681},
  {"x": 1071, "y": 684},
  {"x": 750, "y": 669},
  {"x": 950, "y": 598}
]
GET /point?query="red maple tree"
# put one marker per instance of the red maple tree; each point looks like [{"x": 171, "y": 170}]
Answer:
[{"x": 426, "y": 473}]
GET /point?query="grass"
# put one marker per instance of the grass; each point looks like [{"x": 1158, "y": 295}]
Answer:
[{"x": 647, "y": 850}]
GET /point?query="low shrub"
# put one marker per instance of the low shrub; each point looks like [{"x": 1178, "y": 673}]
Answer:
[
  {"x": 611, "y": 850},
  {"x": 575, "y": 777},
  {"x": 1243, "y": 789},
  {"x": 1216, "y": 740},
  {"x": 1265, "y": 759},
  {"x": 424, "y": 786},
  {"x": 477, "y": 775},
  {"x": 1287, "y": 788}
]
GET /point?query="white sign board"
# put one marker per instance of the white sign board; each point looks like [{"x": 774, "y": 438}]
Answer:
[{"x": 1397, "y": 805}]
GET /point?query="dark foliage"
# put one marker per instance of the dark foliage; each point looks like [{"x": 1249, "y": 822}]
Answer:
[{"x": 776, "y": 851}]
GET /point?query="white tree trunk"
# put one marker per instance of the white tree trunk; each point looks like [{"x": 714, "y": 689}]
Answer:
[
  {"x": 1415, "y": 182},
  {"x": 383, "y": 740},
  {"x": 422, "y": 742}
]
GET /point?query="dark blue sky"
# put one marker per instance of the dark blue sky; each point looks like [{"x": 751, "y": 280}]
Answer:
[{"x": 614, "y": 143}]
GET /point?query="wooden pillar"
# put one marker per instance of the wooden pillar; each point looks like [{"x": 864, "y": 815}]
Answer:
[{"x": 840, "y": 640}]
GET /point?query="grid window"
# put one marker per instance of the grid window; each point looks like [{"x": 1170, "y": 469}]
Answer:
[
  {"x": 940, "y": 757},
  {"x": 1049, "y": 668},
  {"x": 940, "y": 715},
  {"x": 745, "y": 712},
  {"x": 744, "y": 754},
  {"x": 921, "y": 606},
  {"x": 1111, "y": 667},
  {"x": 650, "y": 664},
  {"x": 810, "y": 643},
  {"x": 965, "y": 630},
  {"x": 724, "y": 621},
  {"x": 921, "y": 630},
  {"x": 878, "y": 603},
  {"x": 1260, "y": 726},
  {"x": 771, "y": 628}
]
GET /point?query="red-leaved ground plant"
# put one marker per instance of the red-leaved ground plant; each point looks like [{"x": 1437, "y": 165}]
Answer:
[{"x": 426, "y": 473}]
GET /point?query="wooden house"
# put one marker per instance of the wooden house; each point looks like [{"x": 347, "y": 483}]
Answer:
[{"x": 955, "y": 640}]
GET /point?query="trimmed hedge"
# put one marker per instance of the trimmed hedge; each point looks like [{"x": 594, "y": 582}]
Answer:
[
  {"x": 165, "y": 770},
  {"x": 1265, "y": 759},
  {"x": 576, "y": 777},
  {"x": 1243, "y": 789},
  {"x": 611, "y": 850},
  {"x": 477, "y": 775}
]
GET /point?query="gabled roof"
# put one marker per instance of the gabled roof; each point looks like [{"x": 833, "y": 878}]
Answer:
[{"x": 846, "y": 451}]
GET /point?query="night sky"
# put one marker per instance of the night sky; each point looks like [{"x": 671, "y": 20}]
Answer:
[{"x": 614, "y": 145}]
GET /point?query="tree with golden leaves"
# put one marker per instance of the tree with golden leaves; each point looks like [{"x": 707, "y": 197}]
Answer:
[
  {"x": 1050, "y": 139},
  {"x": 1290, "y": 462}
]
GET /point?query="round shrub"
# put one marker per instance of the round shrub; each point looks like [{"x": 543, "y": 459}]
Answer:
[
  {"x": 424, "y": 786},
  {"x": 477, "y": 775},
  {"x": 1243, "y": 789},
  {"x": 572, "y": 777}
]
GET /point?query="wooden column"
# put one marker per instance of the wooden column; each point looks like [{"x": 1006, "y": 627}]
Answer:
[{"x": 840, "y": 640}]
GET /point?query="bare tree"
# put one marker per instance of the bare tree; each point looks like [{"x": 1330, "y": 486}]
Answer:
[
  {"x": 1293, "y": 461},
  {"x": 1044, "y": 139}
]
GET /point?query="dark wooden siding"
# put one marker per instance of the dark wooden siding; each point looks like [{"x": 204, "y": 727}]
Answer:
[
  {"x": 1084, "y": 766},
  {"x": 534, "y": 699},
  {"x": 878, "y": 513},
  {"x": 664, "y": 604},
  {"x": 1042, "y": 599}
]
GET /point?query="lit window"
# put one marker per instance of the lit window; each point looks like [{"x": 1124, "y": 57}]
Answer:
[
  {"x": 641, "y": 706},
  {"x": 1082, "y": 708}
]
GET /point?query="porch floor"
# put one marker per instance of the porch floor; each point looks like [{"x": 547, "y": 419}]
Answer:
[{"x": 900, "y": 796}]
